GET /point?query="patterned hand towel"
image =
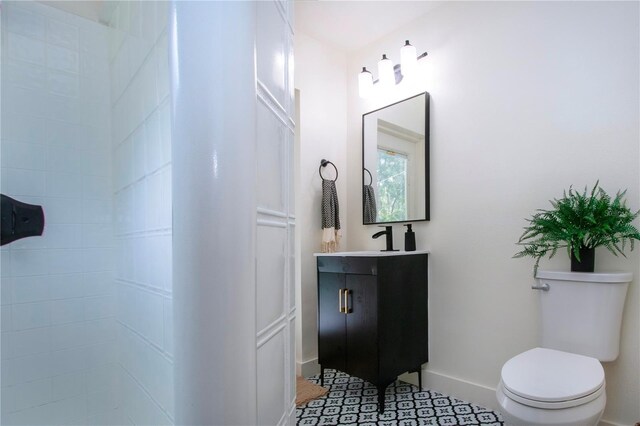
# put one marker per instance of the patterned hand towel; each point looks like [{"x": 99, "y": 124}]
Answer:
[
  {"x": 370, "y": 210},
  {"x": 330, "y": 217}
]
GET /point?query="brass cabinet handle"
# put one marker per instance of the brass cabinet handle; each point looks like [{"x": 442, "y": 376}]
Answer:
[
  {"x": 346, "y": 301},
  {"x": 340, "y": 301}
]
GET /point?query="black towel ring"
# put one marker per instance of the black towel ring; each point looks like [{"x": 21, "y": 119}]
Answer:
[
  {"x": 323, "y": 163},
  {"x": 370, "y": 177}
]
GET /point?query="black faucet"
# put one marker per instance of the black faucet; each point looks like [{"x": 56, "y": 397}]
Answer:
[{"x": 388, "y": 231}]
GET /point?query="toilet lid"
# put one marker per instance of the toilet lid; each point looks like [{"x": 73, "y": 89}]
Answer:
[{"x": 547, "y": 375}]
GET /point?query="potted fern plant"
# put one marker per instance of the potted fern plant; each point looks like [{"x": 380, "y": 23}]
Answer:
[{"x": 580, "y": 222}]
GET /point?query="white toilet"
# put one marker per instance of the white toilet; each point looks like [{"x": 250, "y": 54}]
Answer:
[{"x": 562, "y": 382}]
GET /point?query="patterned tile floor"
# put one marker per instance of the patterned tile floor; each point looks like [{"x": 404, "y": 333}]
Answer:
[{"x": 352, "y": 401}]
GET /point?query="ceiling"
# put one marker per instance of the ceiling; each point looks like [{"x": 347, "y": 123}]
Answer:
[
  {"x": 89, "y": 9},
  {"x": 345, "y": 24},
  {"x": 353, "y": 24}
]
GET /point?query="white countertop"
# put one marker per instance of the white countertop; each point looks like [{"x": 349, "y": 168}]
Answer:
[{"x": 371, "y": 253}]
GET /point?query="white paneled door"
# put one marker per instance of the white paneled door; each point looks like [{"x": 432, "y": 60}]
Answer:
[{"x": 233, "y": 230}]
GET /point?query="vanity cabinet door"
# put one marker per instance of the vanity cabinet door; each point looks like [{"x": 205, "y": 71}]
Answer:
[
  {"x": 362, "y": 324},
  {"x": 331, "y": 322}
]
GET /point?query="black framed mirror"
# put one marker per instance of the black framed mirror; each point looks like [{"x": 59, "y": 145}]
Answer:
[{"x": 395, "y": 162}]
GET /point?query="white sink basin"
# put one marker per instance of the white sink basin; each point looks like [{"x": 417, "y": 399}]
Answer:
[{"x": 371, "y": 253}]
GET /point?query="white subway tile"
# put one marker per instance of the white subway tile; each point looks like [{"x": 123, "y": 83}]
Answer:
[
  {"x": 100, "y": 307},
  {"x": 39, "y": 415},
  {"x": 27, "y": 102},
  {"x": 97, "y": 235},
  {"x": 154, "y": 201},
  {"x": 26, "y": 395},
  {"x": 148, "y": 24},
  {"x": 69, "y": 360},
  {"x": 138, "y": 139},
  {"x": 62, "y": 34},
  {"x": 60, "y": 184},
  {"x": 23, "y": 155},
  {"x": 67, "y": 311},
  {"x": 23, "y": 128},
  {"x": 96, "y": 210},
  {"x": 162, "y": 55},
  {"x": 103, "y": 377},
  {"x": 29, "y": 262},
  {"x": 62, "y": 59},
  {"x": 26, "y": 368},
  {"x": 63, "y": 83},
  {"x": 168, "y": 326},
  {"x": 167, "y": 255},
  {"x": 25, "y": 74},
  {"x": 164, "y": 117},
  {"x": 97, "y": 259},
  {"x": 63, "y": 210},
  {"x": 63, "y": 235},
  {"x": 26, "y": 49},
  {"x": 63, "y": 108},
  {"x": 6, "y": 324},
  {"x": 68, "y": 336},
  {"x": 31, "y": 289},
  {"x": 152, "y": 318},
  {"x": 154, "y": 153},
  {"x": 5, "y": 271},
  {"x": 69, "y": 385},
  {"x": 97, "y": 161},
  {"x": 102, "y": 401},
  {"x": 99, "y": 284},
  {"x": 63, "y": 134},
  {"x": 101, "y": 354},
  {"x": 25, "y": 22},
  {"x": 139, "y": 208},
  {"x": 162, "y": 16},
  {"x": 22, "y": 182},
  {"x": 66, "y": 286},
  {"x": 149, "y": 89},
  {"x": 68, "y": 411},
  {"x": 101, "y": 331},
  {"x": 28, "y": 342},
  {"x": 96, "y": 186},
  {"x": 165, "y": 208},
  {"x": 66, "y": 261},
  {"x": 141, "y": 262}
]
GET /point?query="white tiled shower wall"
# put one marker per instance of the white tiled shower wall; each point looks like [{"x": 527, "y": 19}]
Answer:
[
  {"x": 141, "y": 136},
  {"x": 86, "y": 133},
  {"x": 58, "y": 302}
]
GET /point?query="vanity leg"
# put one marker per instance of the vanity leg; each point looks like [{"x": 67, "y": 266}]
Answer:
[
  {"x": 381, "y": 391},
  {"x": 321, "y": 376},
  {"x": 419, "y": 371}
]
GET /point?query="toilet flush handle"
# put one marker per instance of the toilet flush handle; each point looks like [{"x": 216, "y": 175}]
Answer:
[{"x": 543, "y": 287}]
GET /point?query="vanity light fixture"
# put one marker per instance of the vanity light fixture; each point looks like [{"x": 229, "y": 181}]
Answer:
[{"x": 389, "y": 74}]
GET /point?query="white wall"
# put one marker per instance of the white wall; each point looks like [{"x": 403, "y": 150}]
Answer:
[
  {"x": 320, "y": 77},
  {"x": 526, "y": 99},
  {"x": 59, "y": 357},
  {"x": 141, "y": 144}
]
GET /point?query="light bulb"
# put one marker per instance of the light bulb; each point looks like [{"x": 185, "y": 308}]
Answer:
[
  {"x": 386, "y": 74},
  {"x": 408, "y": 60},
  {"x": 365, "y": 83}
]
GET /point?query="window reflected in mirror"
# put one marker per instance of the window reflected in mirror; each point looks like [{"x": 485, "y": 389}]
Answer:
[{"x": 395, "y": 162}]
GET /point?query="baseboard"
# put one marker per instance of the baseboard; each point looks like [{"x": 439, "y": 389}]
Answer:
[
  {"x": 459, "y": 388},
  {"x": 609, "y": 423},
  {"x": 308, "y": 368}
]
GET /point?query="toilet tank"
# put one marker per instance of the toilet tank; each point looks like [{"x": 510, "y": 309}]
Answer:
[{"x": 581, "y": 312}]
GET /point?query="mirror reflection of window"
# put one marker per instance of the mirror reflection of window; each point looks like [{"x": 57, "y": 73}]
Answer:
[
  {"x": 395, "y": 151},
  {"x": 392, "y": 185}
]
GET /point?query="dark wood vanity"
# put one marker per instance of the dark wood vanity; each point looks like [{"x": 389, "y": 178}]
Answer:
[{"x": 372, "y": 315}]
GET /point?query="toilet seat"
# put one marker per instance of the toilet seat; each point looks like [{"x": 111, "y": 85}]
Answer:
[{"x": 551, "y": 379}]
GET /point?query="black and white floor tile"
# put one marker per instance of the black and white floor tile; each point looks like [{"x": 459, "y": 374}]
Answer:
[{"x": 352, "y": 401}]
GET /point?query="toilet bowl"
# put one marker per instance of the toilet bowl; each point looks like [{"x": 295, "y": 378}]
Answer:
[{"x": 553, "y": 388}]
